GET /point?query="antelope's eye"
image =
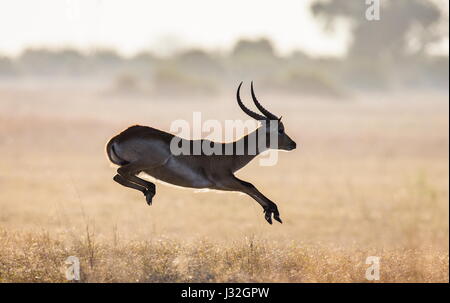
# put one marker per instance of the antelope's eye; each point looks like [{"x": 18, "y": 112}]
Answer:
[{"x": 280, "y": 130}]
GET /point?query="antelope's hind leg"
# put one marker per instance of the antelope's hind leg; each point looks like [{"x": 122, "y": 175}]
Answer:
[
  {"x": 122, "y": 181},
  {"x": 126, "y": 176},
  {"x": 149, "y": 194}
]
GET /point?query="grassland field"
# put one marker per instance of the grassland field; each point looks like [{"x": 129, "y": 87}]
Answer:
[{"x": 370, "y": 177}]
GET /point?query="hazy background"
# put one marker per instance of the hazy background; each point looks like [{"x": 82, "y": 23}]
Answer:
[
  {"x": 366, "y": 102},
  {"x": 202, "y": 47}
]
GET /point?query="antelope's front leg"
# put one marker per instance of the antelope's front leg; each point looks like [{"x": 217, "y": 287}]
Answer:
[{"x": 234, "y": 184}]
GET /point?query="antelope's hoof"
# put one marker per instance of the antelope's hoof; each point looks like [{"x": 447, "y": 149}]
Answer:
[
  {"x": 268, "y": 216},
  {"x": 149, "y": 197},
  {"x": 277, "y": 217}
]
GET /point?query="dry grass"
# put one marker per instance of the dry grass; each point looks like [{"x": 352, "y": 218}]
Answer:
[
  {"x": 38, "y": 258},
  {"x": 370, "y": 179}
]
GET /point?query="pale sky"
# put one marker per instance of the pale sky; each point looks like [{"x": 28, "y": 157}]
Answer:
[{"x": 131, "y": 26}]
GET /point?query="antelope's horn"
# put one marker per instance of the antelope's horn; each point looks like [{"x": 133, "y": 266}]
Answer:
[
  {"x": 265, "y": 112},
  {"x": 245, "y": 109}
]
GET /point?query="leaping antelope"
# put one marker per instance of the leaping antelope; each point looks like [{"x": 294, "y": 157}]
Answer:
[{"x": 144, "y": 149}]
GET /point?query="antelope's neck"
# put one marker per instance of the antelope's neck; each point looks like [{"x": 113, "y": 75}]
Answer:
[{"x": 245, "y": 149}]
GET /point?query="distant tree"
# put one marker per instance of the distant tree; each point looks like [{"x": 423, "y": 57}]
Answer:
[
  {"x": 142, "y": 64},
  {"x": 37, "y": 61},
  {"x": 106, "y": 59},
  {"x": 199, "y": 62},
  {"x": 405, "y": 26},
  {"x": 144, "y": 57},
  {"x": 70, "y": 61},
  {"x": 52, "y": 62},
  {"x": 6, "y": 67},
  {"x": 254, "y": 59},
  {"x": 261, "y": 46}
]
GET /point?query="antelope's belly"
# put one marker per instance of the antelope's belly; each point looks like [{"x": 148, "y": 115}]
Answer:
[{"x": 181, "y": 173}]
